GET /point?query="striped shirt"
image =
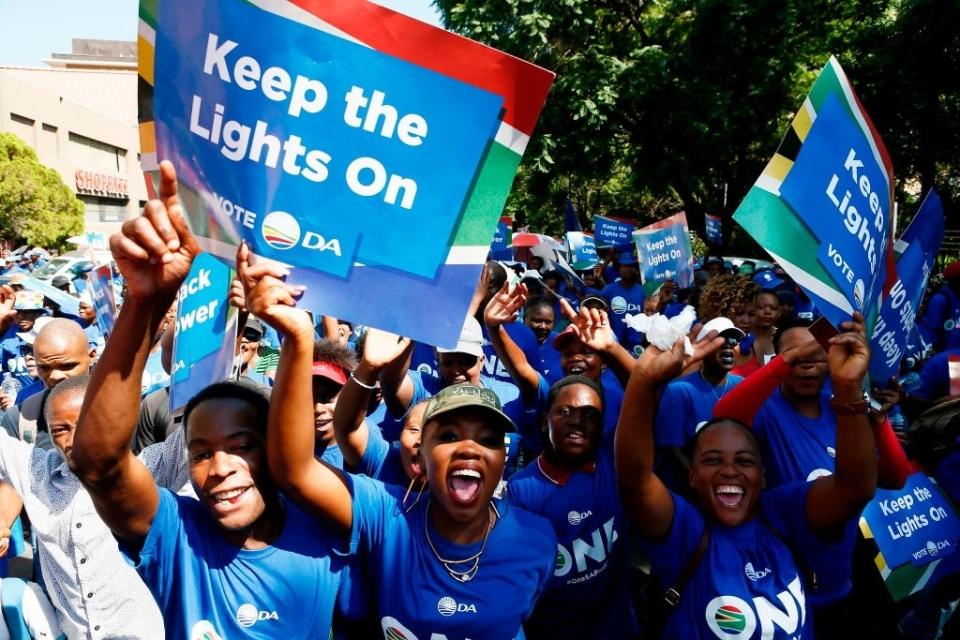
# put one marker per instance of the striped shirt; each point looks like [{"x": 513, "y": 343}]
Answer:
[{"x": 97, "y": 594}]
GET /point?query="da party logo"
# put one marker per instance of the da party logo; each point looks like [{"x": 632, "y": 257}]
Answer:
[{"x": 280, "y": 230}]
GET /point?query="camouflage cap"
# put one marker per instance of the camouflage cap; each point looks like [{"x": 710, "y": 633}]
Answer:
[{"x": 467, "y": 395}]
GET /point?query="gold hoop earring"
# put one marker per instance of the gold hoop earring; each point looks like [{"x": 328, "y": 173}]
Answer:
[{"x": 423, "y": 485}]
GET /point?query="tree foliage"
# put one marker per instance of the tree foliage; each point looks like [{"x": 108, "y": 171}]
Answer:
[
  {"x": 36, "y": 207},
  {"x": 670, "y": 104}
]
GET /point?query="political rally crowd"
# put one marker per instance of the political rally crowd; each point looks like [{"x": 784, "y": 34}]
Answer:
[{"x": 559, "y": 473}]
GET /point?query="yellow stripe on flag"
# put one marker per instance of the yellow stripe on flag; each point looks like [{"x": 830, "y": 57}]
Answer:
[
  {"x": 145, "y": 59},
  {"x": 880, "y": 561},
  {"x": 803, "y": 120},
  {"x": 865, "y": 529},
  {"x": 778, "y": 167},
  {"x": 148, "y": 138}
]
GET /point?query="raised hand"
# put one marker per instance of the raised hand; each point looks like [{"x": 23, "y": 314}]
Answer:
[
  {"x": 380, "y": 348},
  {"x": 268, "y": 297},
  {"x": 591, "y": 326},
  {"x": 154, "y": 251},
  {"x": 504, "y": 306},
  {"x": 237, "y": 297},
  {"x": 810, "y": 351},
  {"x": 7, "y": 315},
  {"x": 849, "y": 355}
]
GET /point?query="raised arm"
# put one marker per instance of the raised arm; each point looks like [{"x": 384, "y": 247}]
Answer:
[
  {"x": 645, "y": 498},
  {"x": 349, "y": 419},
  {"x": 833, "y": 500},
  {"x": 10, "y": 507},
  {"x": 395, "y": 385},
  {"x": 592, "y": 327},
  {"x": 503, "y": 308},
  {"x": 154, "y": 253},
  {"x": 290, "y": 431}
]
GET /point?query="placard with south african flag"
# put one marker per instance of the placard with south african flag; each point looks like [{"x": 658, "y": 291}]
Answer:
[
  {"x": 821, "y": 207},
  {"x": 368, "y": 152}
]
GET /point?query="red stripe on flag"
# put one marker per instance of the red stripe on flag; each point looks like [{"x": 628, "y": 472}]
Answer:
[{"x": 522, "y": 85}]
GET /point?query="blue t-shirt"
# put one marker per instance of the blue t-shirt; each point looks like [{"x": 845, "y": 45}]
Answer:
[
  {"x": 411, "y": 593},
  {"x": 208, "y": 588},
  {"x": 13, "y": 362},
  {"x": 588, "y": 594},
  {"x": 940, "y": 323},
  {"x": 685, "y": 405},
  {"x": 331, "y": 455},
  {"x": 381, "y": 460},
  {"x": 747, "y": 584},
  {"x": 550, "y": 360},
  {"x": 800, "y": 449},
  {"x": 623, "y": 300},
  {"x": 523, "y": 337},
  {"x": 390, "y": 426},
  {"x": 934, "y": 381}
]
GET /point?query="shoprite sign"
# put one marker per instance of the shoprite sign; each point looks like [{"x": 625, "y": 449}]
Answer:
[{"x": 101, "y": 184}]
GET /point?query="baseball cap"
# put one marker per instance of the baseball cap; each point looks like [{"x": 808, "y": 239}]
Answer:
[
  {"x": 464, "y": 395},
  {"x": 28, "y": 301},
  {"x": 723, "y": 326},
  {"x": 60, "y": 281},
  {"x": 30, "y": 336},
  {"x": 626, "y": 257},
  {"x": 471, "y": 339},
  {"x": 596, "y": 301},
  {"x": 565, "y": 337},
  {"x": 768, "y": 279},
  {"x": 330, "y": 371}
]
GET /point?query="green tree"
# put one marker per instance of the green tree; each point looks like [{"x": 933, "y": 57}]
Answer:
[
  {"x": 36, "y": 207},
  {"x": 677, "y": 104}
]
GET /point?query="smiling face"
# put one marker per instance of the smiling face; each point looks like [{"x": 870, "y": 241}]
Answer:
[
  {"x": 727, "y": 473},
  {"x": 806, "y": 376},
  {"x": 578, "y": 358},
  {"x": 540, "y": 319},
  {"x": 326, "y": 392},
  {"x": 459, "y": 367},
  {"x": 228, "y": 463},
  {"x": 574, "y": 424},
  {"x": 463, "y": 457}
]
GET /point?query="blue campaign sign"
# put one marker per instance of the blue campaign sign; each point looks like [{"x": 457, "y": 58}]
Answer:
[
  {"x": 665, "y": 252},
  {"x": 205, "y": 331},
  {"x": 915, "y": 524},
  {"x": 714, "y": 229},
  {"x": 328, "y": 153},
  {"x": 583, "y": 251},
  {"x": 926, "y": 228},
  {"x": 100, "y": 281},
  {"x": 838, "y": 189},
  {"x": 500, "y": 247},
  {"x": 612, "y": 233},
  {"x": 898, "y": 314}
]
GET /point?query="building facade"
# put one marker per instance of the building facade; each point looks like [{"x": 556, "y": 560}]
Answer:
[{"x": 80, "y": 115}]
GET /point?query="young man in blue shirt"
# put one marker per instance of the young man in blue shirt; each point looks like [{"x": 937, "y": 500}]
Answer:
[
  {"x": 240, "y": 560},
  {"x": 625, "y": 296}
]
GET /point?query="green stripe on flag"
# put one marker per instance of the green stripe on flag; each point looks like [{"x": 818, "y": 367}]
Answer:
[
  {"x": 268, "y": 360},
  {"x": 777, "y": 229},
  {"x": 148, "y": 12},
  {"x": 487, "y": 198}
]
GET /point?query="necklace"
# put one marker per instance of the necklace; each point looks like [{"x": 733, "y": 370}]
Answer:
[
  {"x": 460, "y": 576},
  {"x": 722, "y": 385}
]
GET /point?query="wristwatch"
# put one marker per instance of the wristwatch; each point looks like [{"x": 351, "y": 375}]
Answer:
[{"x": 858, "y": 407}]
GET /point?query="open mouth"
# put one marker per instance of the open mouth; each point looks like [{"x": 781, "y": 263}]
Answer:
[
  {"x": 575, "y": 438},
  {"x": 727, "y": 357},
  {"x": 576, "y": 370},
  {"x": 464, "y": 486},
  {"x": 227, "y": 500},
  {"x": 729, "y": 495}
]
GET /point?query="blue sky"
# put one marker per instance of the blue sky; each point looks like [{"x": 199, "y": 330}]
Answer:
[{"x": 30, "y": 30}]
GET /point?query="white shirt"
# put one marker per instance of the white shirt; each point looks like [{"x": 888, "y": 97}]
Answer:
[{"x": 97, "y": 594}]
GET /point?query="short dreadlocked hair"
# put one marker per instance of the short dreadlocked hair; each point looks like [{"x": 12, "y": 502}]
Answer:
[{"x": 335, "y": 353}]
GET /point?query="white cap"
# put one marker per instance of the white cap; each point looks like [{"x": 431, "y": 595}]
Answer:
[
  {"x": 471, "y": 339},
  {"x": 723, "y": 326}
]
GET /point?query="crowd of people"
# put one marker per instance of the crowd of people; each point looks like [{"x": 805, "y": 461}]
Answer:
[{"x": 555, "y": 474}]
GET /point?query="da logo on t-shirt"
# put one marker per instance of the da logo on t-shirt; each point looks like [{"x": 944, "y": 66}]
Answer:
[
  {"x": 732, "y": 618},
  {"x": 204, "y": 630},
  {"x": 618, "y": 304},
  {"x": 447, "y": 606},
  {"x": 248, "y": 615}
]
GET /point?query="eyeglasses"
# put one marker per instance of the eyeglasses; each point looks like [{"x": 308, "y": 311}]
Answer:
[{"x": 586, "y": 415}]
